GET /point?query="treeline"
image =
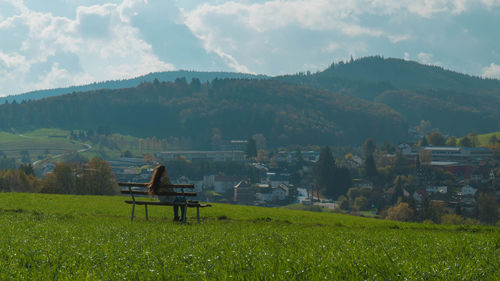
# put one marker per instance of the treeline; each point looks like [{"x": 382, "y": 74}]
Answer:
[
  {"x": 456, "y": 103},
  {"x": 166, "y": 76},
  {"x": 94, "y": 177},
  {"x": 234, "y": 109}
]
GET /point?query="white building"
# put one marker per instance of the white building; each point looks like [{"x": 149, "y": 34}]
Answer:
[
  {"x": 271, "y": 194},
  {"x": 468, "y": 190},
  {"x": 437, "y": 189},
  {"x": 220, "y": 184},
  {"x": 217, "y": 156}
]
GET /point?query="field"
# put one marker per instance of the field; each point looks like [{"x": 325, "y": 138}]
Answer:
[
  {"x": 62, "y": 237},
  {"x": 42, "y": 143},
  {"x": 484, "y": 139},
  {"x": 37, "y": 143}
]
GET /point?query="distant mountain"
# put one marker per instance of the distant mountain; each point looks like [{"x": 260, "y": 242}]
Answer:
[
  {"x": 167, "y": 76},
  {"x": 402, "y": 90},
  {"x": 202, "y": 115},
  {"x": 455, "y": 103}
]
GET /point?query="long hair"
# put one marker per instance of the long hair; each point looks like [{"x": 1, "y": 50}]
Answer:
[{"x": 156, "y": 180}]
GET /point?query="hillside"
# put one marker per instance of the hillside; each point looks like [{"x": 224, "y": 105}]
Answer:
[
  {"x": 36, "y": 144},
  {"x": 202, "y": 115},
  {"x": 455, "y": 103},
  {"x": 167, "y": 76},
  {"x": 91, "y": 237}
]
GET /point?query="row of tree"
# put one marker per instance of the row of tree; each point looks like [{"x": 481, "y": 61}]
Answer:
[
  {"x": 236, "y": 109},
  {"x": 94, "y": 177}
]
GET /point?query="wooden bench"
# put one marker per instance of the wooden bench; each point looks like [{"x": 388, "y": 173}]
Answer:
[{"x": 186, "y": 204}]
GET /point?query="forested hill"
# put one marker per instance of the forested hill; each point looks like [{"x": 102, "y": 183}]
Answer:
[
  {"x": 167, "y": 76},
  {"x": 455, "y": 103},
  {"x": 393, "y": 73},
  {"x": 201, "y": 114}
]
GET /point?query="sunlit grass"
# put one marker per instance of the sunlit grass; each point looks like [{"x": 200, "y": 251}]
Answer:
[{"x": 61, "y": 237}]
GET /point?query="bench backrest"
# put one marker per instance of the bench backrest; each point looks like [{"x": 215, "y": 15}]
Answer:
[{"x": 131, "y": 191}]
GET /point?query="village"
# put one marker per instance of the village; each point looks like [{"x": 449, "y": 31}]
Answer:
[{"x": 449, "y": 175}]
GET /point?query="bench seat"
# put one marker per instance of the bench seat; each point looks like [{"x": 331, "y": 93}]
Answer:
[
  {"x": 189, "y": 204},
  {"x": 143, "y": 191}
]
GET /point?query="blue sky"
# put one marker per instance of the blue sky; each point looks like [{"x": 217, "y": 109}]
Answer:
[{"x": 57, "y": 43}]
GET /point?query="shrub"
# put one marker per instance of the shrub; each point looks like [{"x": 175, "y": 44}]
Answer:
[
  {"x": 401, "y": 212},
  {"x": 452, "y": 219}
]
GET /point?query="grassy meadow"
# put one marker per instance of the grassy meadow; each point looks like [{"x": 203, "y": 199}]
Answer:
[
  {"x": 37, "y": 143},
  {"x": 63, "y": 237}
]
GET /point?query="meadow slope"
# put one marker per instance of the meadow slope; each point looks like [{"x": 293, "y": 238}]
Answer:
[{"x": 62, "y": 237}]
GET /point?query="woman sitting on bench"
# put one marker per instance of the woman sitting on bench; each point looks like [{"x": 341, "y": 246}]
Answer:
[{"x": 160, "y": 183}]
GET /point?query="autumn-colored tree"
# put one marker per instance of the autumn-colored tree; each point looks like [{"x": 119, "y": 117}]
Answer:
[
  {"x": 99, "y": 178},
  {"x": 436, "y": 139},
  {"x": 401, "y": 212}
]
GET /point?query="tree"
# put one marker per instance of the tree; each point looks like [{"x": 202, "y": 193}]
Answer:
[
  {"x": 465, "y": 142},
  {"x": 398, "y": 191},
  {"x": 493, "y": 140},
  {"x": 127, "y": 154},
  {"x": 369, "y": 147},
  {"x": 99, "y": 178},
  {"x": 474, "y": 138},
  {"x": 451, "y": 141},
  {"x": 400, "y": 166},
  {"x": 342, "y": 181},
  {"x": 424, "y": 127},
  {"x": 424, "y": 142},
  {"x": 195, "y": 84},
  {"x": 324, "y": 172},
  {"x": 436, "y": 139},
  {"x": 361, "y": 203},
  {"x": 370, "y": 169},
  {"x": 343, "y": 203},
  {"x": 25, "y": 156},
  {"x": 401, "y": 212},
  {"x": 251, "y": 149},
  {"x": 61, "y": 180},
  {"x": 487, "y": 208},
  {"x": 27, "y": 169}
]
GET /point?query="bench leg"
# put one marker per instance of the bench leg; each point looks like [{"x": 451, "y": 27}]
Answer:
[
  {"x": 184, "y": 209},
  {"x": 198, "y": 214},
  {"x": 133, "y": 209},
  {"x": 146, "y": 206}
]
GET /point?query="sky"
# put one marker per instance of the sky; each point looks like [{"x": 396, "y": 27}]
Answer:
[{"x": 59, "y": 43}]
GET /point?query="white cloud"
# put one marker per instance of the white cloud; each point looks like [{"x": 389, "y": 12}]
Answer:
[
  {"x": 236, "y": 30},
  {"x": 331, "y": 47},
  {"x": 99, "y": 40},
  {"x": 425, "y": 58},
  {"x": 491, "y": 3},
  {"x": 491, "y": 71}
]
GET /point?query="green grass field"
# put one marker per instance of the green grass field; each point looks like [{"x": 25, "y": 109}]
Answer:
[
  {"x": 37, "y": 143},
  {"x": 484, "y": 140},
  {"x": 61, "y": 237}
]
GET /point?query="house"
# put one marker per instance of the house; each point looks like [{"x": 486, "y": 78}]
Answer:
[
  {"x": 419, "y": 195},
  {"x": 437, "y": 189},
  {"x": 220, "y": 184},
  {"x": 274, "y": 179},
  {"x": 355, "y": 161},
  {"x": 243, "y": 193},
  {"x": 311, "y": 156},
  {"x": 267, "y": 193},
  {"x": 468, "y": 190},
  {"x": 198, "y": 184}
]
